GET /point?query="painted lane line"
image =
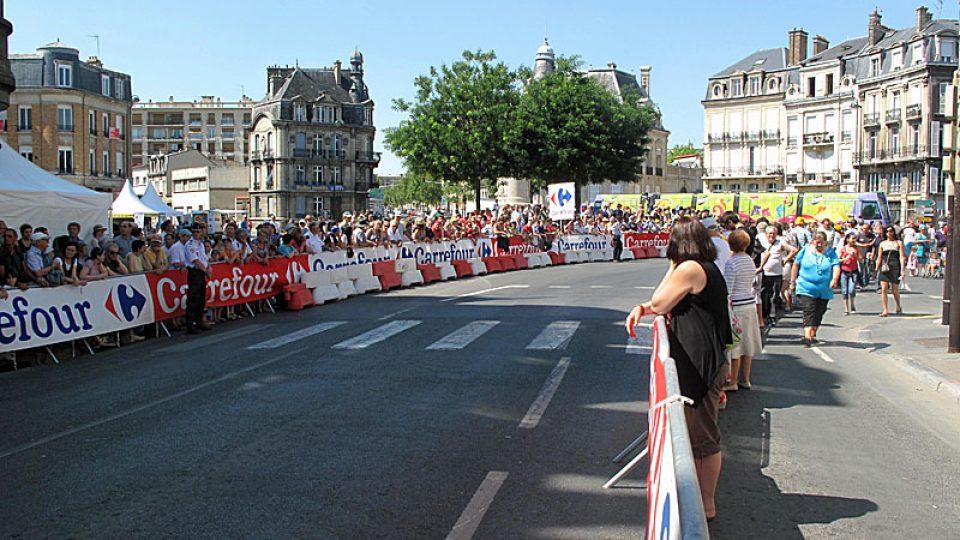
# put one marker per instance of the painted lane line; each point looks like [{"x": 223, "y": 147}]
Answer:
[
  {"x": 645, "y": 288},
  {"x": 601, "y": 287},
  {"x": 473, "y": 514},
  {"x": 463, "y": 336},
  {"x": 395, "y": 313},
  {"x": 474, "y": 293},
  {"x": 821, "y": 354},
  {"x": 376, "y": 335},
  {"x": 555, "y": 336},
  {"x": 144, "y": 407},
  {"x": 539, "y": 405},
  {"x": 634, "y": 346},
  {"x": 296, "y": 336},
  {"x": 559, "y": 287}
]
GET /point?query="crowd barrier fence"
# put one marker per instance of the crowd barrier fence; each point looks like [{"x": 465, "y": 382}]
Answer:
[{"x": 40, "y": 317}]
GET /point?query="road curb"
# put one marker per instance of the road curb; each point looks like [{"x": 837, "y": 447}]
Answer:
[{"x": 938, "y": 380}]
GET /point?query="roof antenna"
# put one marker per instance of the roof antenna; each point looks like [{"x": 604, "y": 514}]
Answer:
[{"x": 96, "y": 37}]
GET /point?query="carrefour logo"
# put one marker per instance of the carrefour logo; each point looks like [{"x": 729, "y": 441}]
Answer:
[
  {"x": 129, "y": 300},
  {"x": 486, "y": 249}
]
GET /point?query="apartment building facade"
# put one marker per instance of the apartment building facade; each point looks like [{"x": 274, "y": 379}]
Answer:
[
  {"x": 70, "y": 117},
  {"x": 209, "y": 125},
  {"x": 872, "y": 113},
  {"x": 311, "y": 142},
  {"x": 7, "y": 82}
]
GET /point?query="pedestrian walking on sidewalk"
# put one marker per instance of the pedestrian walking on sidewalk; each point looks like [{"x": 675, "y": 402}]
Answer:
[
  {"x": 849, "y": 273},
  {"x": 815, "y": 274},
  {"x": 694, "y": 294},
  {"x": 740, "y": 275},
  {"x": 890, "y": 265}
]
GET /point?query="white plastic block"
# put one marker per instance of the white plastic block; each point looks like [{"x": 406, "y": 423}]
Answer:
[
  {"x": 478, "y": 267},
  {"x": 405, "y": 265},
  {"x": 545, "y": 260},
  {"x": 366, "y": 284},
  {"x": 338, "y": 275},
  {"x": 346, "y": 289},
  {"x": 447, "y": 272},
  {"x": 325, "y": 293},
  {"x": 315, "y": 279},
  {"x": 411, "y": 277},
  {"x": 627, "y": 255},
  {"x": 358, "y": 271}
]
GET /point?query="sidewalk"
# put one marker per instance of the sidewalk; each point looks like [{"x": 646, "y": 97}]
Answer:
[{"x": 916, "y": 341}]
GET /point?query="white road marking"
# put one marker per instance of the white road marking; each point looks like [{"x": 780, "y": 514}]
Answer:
[
  {"x": 464, "y": 335},
  {"x": 145, "y": 406},
  {"x": 539, "y": 406},
  {"x": 474, "y": 293},
  {"x": 395, "y": 313},
  {"x": 473, "y": 514},
  {"x": 555, "y": 336},
  {"x": 376, "y": 335},
  {"x": 635, "y": 347},
  {"x": 645, "y": 288},
  {"x": 935, "y": 297},
  {"x": 558, "y": 287},
  {"x": 821, "y": 354},
  {"x": 296, "y": 336},
  {"x": 601, "y": 287}
]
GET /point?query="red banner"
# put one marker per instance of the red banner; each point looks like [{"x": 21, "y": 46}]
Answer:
[
  {"x": 228, "y": 285},
  {"x": 657, "y": 240},
  {"x": 114, "y": 133},
  {"x": 517, "y": 247}
]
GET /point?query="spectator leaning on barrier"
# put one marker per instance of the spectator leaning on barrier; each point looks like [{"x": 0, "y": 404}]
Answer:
[
  {"x": 177, "y": 254},
  {"x": 95, "y": 268},
  {"x": 156, "y": 255},
  {"x": 115, "y": 261},
  {"x": 694, "y": 294},
  {"x": 99, "y": 231},
  {"x": 71, "y": 264},
  {"x": 26, "y": 240},
  {"x": 12, "y": 261},
  {"x": 137, "y": 261},
  {"x": 125, "y": 240},
  {"x": 42, "y": 268}
]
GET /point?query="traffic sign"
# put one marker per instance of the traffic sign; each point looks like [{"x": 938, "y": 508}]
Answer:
[{"x": 925, "y": 202}]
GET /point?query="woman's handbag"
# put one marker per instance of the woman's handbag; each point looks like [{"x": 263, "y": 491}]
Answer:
[
  {"x": 885, "y": 267},
  {"x": 736, "y": 329}
]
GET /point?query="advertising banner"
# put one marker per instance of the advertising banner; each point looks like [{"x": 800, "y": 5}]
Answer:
[
  {"x": 439, "y": 252},
  {"x": 329, "y": 260},
  {"x": 657, "y": 240},
  {"x": 581, "y": 242},
  {"x": 773, "y": 206},
  {"x": 228, "y": 284},
  {"x": 715, "y": 203},
  {"x": 562, "y": 199},
  {"x": 670, "y": 201},
  {"x": 836, "y": 207},
  {"x": 39, "y": 317},
  {"x": 663, "y": 510},
  {"x": 518, "y": 247}
]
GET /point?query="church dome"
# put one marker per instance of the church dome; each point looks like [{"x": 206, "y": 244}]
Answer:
[{"x": 545, "y": 51}]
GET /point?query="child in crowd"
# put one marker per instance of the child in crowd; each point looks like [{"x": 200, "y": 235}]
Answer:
[
  {"x": 933, "y": 269},
  {"x": 913, "y": 261}
]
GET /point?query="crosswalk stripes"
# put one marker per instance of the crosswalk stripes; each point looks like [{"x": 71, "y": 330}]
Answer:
[
  {"x": 296, "y": 336},
  {"x": 377, "y": 335},
  {"x": 555, "y": 336},
  {"x": 463, "y": 336}
]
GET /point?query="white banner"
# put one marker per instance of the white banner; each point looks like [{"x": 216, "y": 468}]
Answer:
[
  {"x": 39, "y": 317},
  {"x": 439, "y": 252},
  {"x": 562, "y": 200},
  {"x": 329, "y": 260},
  {"x": 580, "y": 242}
]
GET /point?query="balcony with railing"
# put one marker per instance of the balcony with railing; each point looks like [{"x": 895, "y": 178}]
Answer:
[
  {"x": 914, "y": 112},
  {"x": 750, "y": 136},
  {"x": 886, "y": 155},
  {"x": 791, "y": 142},
  {"x": 818, "y": 139},
  {"x": 893, "y": 116},
  {"x": 769, "y": 135},
  {"x": 301, "y": 152},
  {"x": 368, "y": 157},
  {"x": 64, "y": 128},
  {"x": 871, "y": 120},
  {"x": 757, "y": 171}
]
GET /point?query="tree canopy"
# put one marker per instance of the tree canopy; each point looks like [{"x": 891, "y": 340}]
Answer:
[
  {"x": 683, "y": 150},
  {"x": 413, "y": 189}
]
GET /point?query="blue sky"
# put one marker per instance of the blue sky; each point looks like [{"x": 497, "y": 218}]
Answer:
[{"x": 202, "y": 47}]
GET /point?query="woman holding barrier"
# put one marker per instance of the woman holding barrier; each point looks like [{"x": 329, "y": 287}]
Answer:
[{"x": 693, "y": 296}]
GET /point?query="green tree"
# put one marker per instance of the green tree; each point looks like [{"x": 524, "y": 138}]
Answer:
[
  {"x": 568, "y": 128},
  {"x": 456, "y": 125},
  {"x": 413, "y": 189},
  {"x": 683, "y": 150}
]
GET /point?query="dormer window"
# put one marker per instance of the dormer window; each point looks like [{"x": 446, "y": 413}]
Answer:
[
  {"x": 875, "y": 66},
  {"x": 772, "y": 84},
  {"x": 918, "y": 56},
  {"x": 717, "y": 91},
  {"x": 896, "y": 59},
  {"x": 755, "y": 86},
  {"x": 64, "y": 75},
  {"x": 736, "y": 86},
  {"x": 948, "y": 50},
  {"x": 299, "y": 112}
]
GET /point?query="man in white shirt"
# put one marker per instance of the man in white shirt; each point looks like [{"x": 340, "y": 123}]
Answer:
[
  {"x": 176, "y": 255},
  {"x": 723, "y": 248},
  {"x": 616, "y": 229},
  {"x": 314, "y": 238}
]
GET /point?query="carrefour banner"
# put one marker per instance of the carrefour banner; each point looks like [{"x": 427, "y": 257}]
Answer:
[
  {"x": 329, "y": 260},
  {"x": 581, "y": 242},
  {"x": 444, "y": 251},
  {"x": 40, "y": 317},
  {"x": 657, "y": 240},
  {"x": 228, "y": 284},
  {"x": 518, "y": 247}
]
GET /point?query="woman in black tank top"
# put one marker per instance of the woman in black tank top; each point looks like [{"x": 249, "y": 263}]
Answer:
[{"x": 693, "y": 297}]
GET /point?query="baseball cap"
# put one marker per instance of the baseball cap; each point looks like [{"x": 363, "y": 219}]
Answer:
[
  {"x": 710, "y": 223},
  {"x": 185, "y": 231},
  {"x": 99, "y": 227},
  {"x": 38, "y": 236}
]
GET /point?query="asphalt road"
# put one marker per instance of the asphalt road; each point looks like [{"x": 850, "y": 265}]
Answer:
[{"x": 407, "y": 414}]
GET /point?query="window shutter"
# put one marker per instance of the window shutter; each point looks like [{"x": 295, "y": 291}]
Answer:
[{"x": 934, "y": 139}]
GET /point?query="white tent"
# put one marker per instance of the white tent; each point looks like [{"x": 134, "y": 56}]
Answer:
[
  {"x": 128, "y": 205},
  {"x": 152, "y": 199},
  {"x": 29, "y": 194}
]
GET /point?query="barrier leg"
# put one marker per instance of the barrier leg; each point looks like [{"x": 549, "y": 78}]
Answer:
[
  {"x": 631, "y": 447},
  {"x": 163, "y": 326},
  {"x": 53, "y": 356},
  {"x": 87, "y": 345},
  {"x": 249, "y": 309},
  {"x": 625, "y": 470}
]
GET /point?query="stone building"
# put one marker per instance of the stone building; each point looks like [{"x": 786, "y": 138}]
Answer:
[
  {"x": 7, "y": 83},
  {"x": 71, "y": 117},
  {"x": 157, "y": 171},
  {"x": 209, "y": 125},
  {"x": 311, "y": 142},
  {"x": 872, "y": 113}
]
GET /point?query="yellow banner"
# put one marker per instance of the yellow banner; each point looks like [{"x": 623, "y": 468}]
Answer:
[
  {"x": 632, "y": 201},
  {"x": 715, "y": 203},
  {"x": 773, "y": 206},
  {"x": 674, "y": 200},
  {"x": 833, "y": 206}
]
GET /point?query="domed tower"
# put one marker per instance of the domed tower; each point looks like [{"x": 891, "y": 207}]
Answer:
[
  {"x": 545, "y": 61},
  {"x": 359, "y": 90}
]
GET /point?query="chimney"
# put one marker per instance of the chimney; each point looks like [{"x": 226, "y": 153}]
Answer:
[
  {"x": 645, "y": 79},
  {"x": 820, "y": 44},
  {"x": 874, "y": 30},
  {"x": 274, "y": 79},
  {"x": 924, "y": 17},
  {"x": 95, "y": 62},
  {"x": 336, "y": 71},
  {"x": 797, "y": 50}
]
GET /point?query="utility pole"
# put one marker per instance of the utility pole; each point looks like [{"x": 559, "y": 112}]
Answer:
[{"x": 951, "y": 287}]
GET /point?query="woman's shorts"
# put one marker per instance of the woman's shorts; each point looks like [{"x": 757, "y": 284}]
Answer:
[
  {"x": 813, "y": 309},
  {"x": 702, "y": 420}
]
